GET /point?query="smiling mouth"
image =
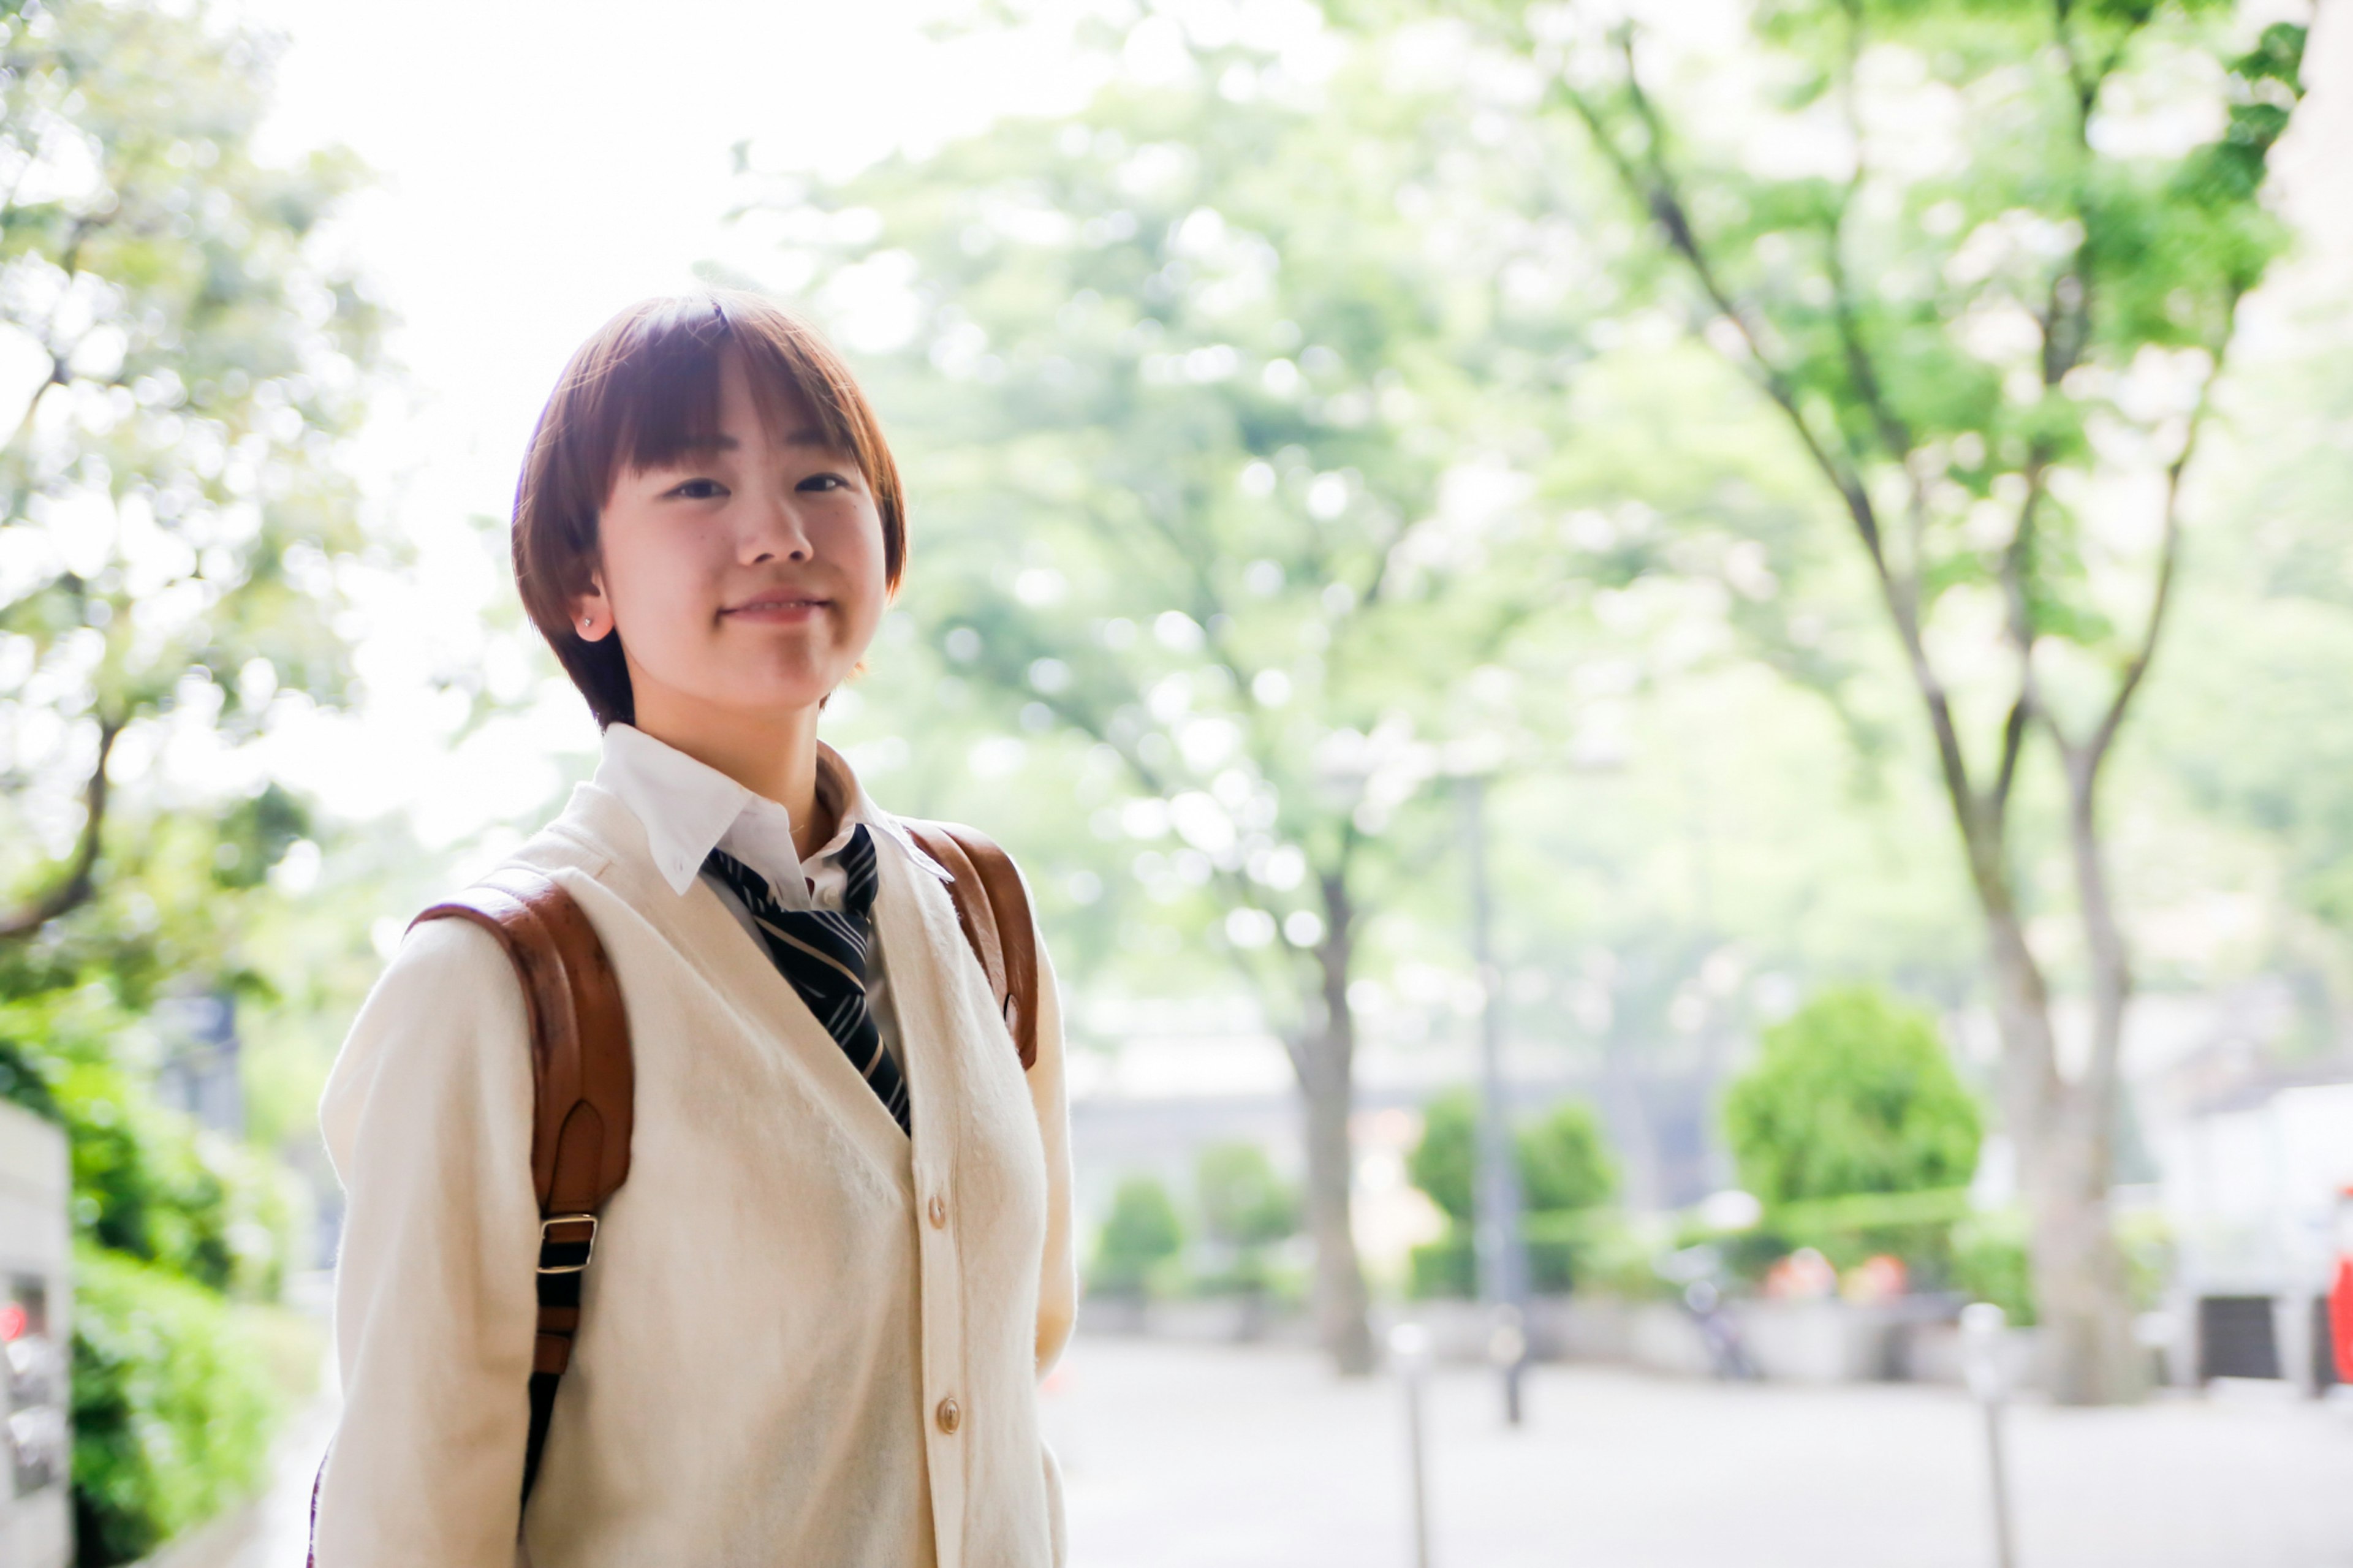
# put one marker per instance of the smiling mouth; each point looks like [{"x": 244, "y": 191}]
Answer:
[{"x": 780, "y": 606}]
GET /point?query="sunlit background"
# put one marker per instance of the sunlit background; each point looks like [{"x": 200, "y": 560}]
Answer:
[{"x": 1671, "y": 676}]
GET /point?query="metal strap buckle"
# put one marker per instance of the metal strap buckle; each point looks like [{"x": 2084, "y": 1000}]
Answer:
[{"x": 589, "y": 1242}]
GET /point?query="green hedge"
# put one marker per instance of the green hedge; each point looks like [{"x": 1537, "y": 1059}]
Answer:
[
  {"x": 1566, "y": 1250},
  {"x": 174, "y": 1401},
  {"x": 150, "y": 1182}
]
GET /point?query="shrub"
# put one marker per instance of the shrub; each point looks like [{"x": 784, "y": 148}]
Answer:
[
  {"x": 1564, "y": 1162},
  {"x": 1447, "y": 1266},
  {"x": 1245, "y": 1207},
  {"x": 1854, "y": 1093},
  {"x": 22, "y": 1082},
  {"x": 1141, "y": 1233},
  {"x": 1445, "y": 1163},
  {"x": 1991, "y": 1263},
  {"x": 1564, "y": 1167},
  {"x": 1244, "y": 1203},
  {"x": 173, "y": 1406},
  {"x": 149, "y": 1183}
]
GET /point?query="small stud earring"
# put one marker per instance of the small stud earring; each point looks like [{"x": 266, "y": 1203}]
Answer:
[{"x": 587, "y": 624}]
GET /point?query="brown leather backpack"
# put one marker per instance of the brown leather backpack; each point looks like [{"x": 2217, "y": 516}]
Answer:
[{"x": 583, "y": 1080}]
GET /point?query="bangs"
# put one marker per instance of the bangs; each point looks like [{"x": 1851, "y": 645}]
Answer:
[{"x": 659, "y": 399}]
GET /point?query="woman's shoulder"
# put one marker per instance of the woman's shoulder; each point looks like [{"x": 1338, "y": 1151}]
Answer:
[
  {"x": 446, "y": 978},
  {"x": 442, "y": 1038}
]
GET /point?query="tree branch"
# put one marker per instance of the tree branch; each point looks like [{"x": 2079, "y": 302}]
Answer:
[
  {"x": 2168, "y": 560},
  {"x": 1655, "y": 191},
  {"x": 79, "y": 883}
]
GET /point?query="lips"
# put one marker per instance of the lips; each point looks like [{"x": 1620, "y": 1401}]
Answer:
[{"x": 779, "y": 604}]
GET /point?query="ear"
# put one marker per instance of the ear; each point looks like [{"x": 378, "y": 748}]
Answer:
[{"x": 592, "y": 612}]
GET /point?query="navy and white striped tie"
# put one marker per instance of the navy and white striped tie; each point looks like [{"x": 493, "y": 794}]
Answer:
[{"x": 824, "y": 953}]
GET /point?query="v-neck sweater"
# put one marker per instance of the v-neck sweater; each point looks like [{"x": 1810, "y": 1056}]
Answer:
[
  {"x": 689, "y": 809},
  {"x": 805, "y": 1338}
]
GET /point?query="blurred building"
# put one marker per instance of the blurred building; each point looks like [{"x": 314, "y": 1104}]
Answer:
[
  {"x": 1153, "y": 1082},
  {"x": 198, "y": 1071}
]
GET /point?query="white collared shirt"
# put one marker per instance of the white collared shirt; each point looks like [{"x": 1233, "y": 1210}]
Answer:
[{"x": 689, "y": 809}]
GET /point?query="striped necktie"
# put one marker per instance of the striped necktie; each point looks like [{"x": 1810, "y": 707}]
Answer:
[{"x": 824, "y": 953}]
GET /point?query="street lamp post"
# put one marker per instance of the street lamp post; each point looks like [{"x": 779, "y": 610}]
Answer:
[
  {"x": 1409, "y": 1343},
  {"x": 1982, "y": 1323},
  {"x": 1502, "y": 1251}
]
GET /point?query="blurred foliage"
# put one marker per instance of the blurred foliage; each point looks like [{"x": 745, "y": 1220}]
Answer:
[
  {"x": 1989, "y": 1261},
  {"x": 1984, "y": 265},
  {"x": 1214, "y": 529},
  {"x": 23, "y": 1083},
  {"x": 1243, "y": 1202},
  {"x": 1245, "y": 1207},
  {"x": 1179, "y": 391},
  {"x": 173, "y": 503},
  {"x": 180, "y": 371},
  {"x": 1564, "y": 1160},
  {"x": 1991, "y": 1264},
  {"x": 1854, "y": 1093},
  {"x": 1916, "y": 1226},
  {"x": 1566, "y": 1174},
  {"x": 174, "y": 1405},
  {"x": 148, "y": 1183},
  {"x": 1140, "y": 1237}
]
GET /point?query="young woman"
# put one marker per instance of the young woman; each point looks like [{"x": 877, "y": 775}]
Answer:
[{"x": 817, "y": 1310}]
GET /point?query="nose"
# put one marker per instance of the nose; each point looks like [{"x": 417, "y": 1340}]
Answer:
[{"x": 774, "y": 531}]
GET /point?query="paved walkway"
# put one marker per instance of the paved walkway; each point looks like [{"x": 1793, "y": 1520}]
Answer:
[
  {"x": 1194, "y": 1456},
  {"x": 1182, "y": 1457}
]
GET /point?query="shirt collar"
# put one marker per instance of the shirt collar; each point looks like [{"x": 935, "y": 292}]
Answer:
[{"x": 687, "y": 807}]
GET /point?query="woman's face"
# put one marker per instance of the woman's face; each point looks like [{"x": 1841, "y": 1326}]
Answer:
[{"x": 748, "y": 578}]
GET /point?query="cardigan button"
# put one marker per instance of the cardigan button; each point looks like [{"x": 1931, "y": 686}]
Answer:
[
  {"x": 939, "y": 1212},
  {"x": 951, "y": 1416}
]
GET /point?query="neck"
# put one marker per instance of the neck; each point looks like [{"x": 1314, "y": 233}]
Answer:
[{"x": 772, "y": 754}]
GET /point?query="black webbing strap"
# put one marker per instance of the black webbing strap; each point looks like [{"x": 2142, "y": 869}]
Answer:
[
  {"x": 542, "y": 1407},
  {"x": 563, "y": 1264}
]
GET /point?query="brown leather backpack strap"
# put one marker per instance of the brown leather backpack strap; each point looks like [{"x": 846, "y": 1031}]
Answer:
[
  {"x": 583, "y": 1090},
  {"x": 993, "y": 907}
]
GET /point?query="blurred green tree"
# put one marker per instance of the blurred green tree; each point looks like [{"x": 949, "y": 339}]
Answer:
[
  {"x": 1190, "y": 386},
  {"x": 1141, "y": 1232},
  {"x": 178, "y": 368},
  {"x": 1852, "y": 1093},
  {"x": 1971, "y": 256},
  {"x": 172, "y": 1407},
  {"x": 180, "y": 365}
]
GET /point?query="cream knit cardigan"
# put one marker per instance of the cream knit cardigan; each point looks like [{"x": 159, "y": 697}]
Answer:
[{"x": 785, "y": 1294}]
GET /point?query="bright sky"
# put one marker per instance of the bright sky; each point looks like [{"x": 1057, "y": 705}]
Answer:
[{"x": 540, "y": 166}]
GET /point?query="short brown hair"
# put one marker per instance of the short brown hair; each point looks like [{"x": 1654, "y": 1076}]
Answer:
[{"x": 643, "y": 391}]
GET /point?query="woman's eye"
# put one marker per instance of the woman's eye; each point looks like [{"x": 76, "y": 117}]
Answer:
[
  {"x": 823, "y": 482},
  {"x": 699, "y": 489}
]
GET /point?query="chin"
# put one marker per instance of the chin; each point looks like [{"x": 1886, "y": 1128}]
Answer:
[{"x": 788, "y": 695}]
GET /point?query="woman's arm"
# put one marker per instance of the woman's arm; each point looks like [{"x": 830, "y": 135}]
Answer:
[
  {"x": 1058, "y": 1278},
  {"x": 428, "y": 1117}
]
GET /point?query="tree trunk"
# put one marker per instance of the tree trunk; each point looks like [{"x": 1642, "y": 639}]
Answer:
[
  {"x": 2079, "y": 1270},
  {"x": 1327, "y": 1085},
  {"x": 2062, "y": 1136}
]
